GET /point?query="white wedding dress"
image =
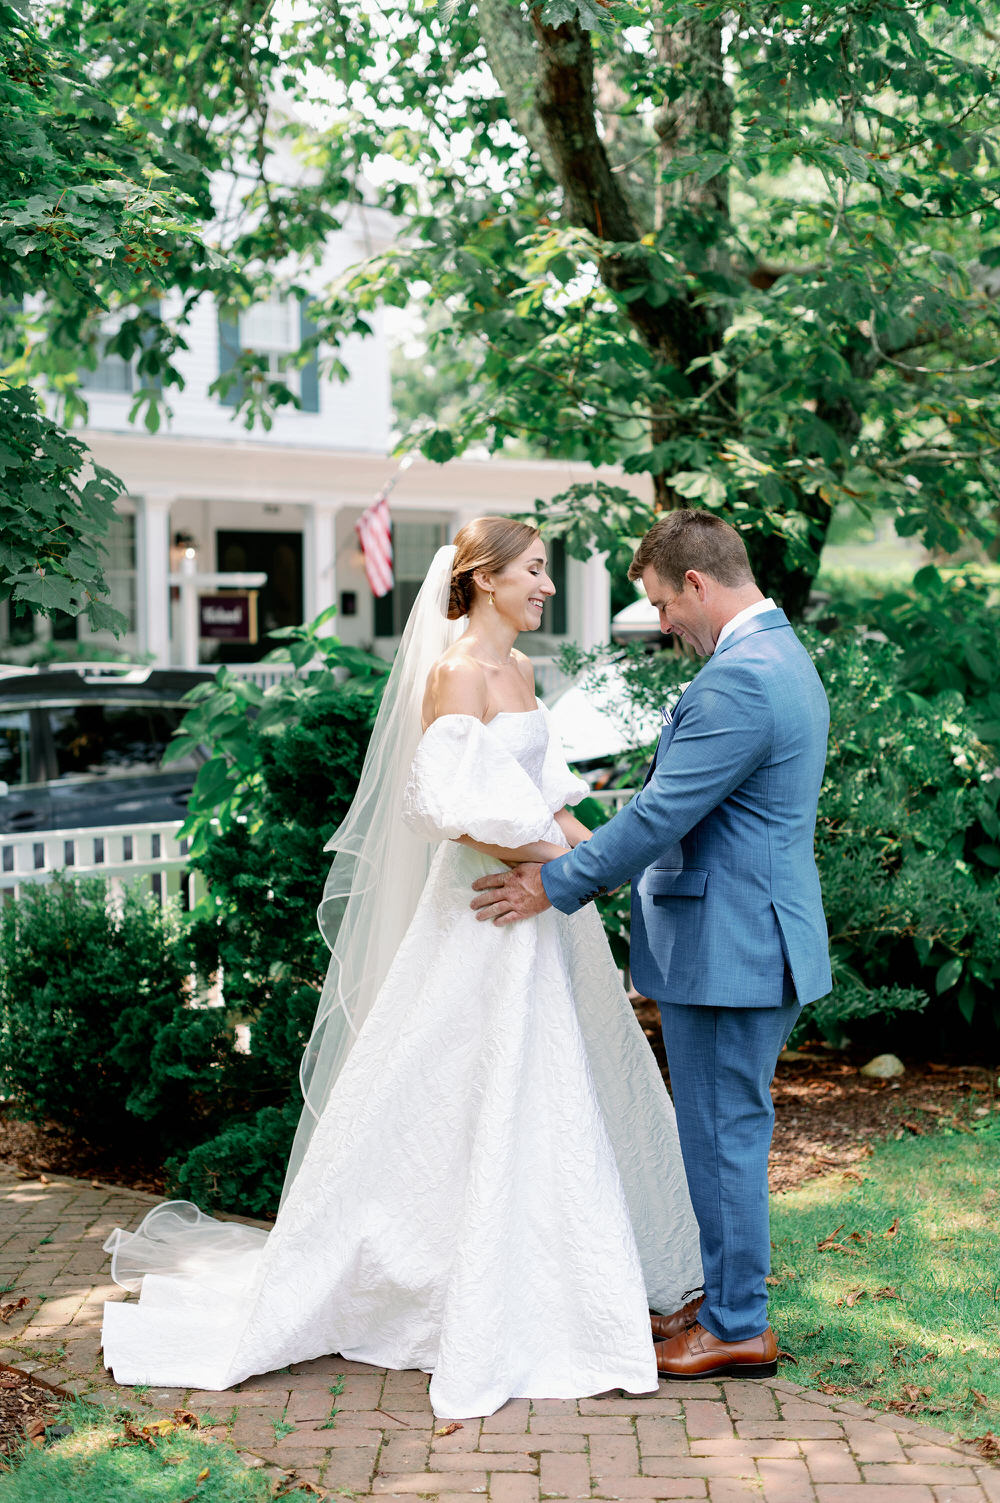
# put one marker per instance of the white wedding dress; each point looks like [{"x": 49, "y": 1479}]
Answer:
[{"x": 494, "y": 1192}]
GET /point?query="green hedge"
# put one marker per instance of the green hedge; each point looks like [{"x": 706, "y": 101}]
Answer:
[{"x": 86, "y": 992}]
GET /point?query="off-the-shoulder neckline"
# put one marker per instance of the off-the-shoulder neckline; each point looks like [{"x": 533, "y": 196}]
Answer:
[{"x": 460, "y": 715}]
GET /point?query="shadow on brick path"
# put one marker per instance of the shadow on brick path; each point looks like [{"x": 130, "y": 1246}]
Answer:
[{"x": 770, "y": 1441}]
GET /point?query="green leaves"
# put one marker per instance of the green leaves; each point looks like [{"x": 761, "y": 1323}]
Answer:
[{"x": 52, "y": 516}]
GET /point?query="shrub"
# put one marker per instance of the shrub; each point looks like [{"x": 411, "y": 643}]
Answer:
[
  {"x": 907, "y": 842},
  {"x": 906, "y": 845},
  {"x": 283, "y": 770},
  {"x": 85, "y": 987},
  {"x": 945, "y": 622}
]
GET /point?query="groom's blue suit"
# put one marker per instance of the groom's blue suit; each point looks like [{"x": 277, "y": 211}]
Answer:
[{"x": 728, "y": 933}]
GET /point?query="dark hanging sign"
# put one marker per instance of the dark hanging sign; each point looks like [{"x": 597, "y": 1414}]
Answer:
[{"x": 231, "y": 617}]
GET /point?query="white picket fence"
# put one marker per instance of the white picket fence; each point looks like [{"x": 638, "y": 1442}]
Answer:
[{"x": 121, "y": 854}]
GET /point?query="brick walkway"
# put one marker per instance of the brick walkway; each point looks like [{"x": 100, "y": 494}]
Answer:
[{"x": 770, "y": 1441}]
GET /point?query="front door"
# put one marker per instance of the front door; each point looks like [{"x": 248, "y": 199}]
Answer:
[{"x": 280, "y": 601}]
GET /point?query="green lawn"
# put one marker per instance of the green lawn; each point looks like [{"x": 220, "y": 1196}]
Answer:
[
  {"x": 901, "y": 1308},
  {"x": 106, "y": 1461}
]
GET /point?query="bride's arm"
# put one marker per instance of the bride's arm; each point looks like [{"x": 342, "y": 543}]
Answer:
[
  {"x": 573, "y": 829},
  {"x": 538, "y": 851},
  {"x": 457, "y": 686}
]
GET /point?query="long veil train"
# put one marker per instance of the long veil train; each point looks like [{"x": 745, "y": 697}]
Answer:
[{"x": 369, "y": 898}]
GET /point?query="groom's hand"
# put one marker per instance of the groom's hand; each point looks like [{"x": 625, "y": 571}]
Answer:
[{"x": 506, "y": 897}]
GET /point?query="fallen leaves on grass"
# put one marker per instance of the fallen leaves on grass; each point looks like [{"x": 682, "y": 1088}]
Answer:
[
  {"x": 292, "y": 1484},
  {"x": 892, "y": 1230},
  {"x": 202, "y": 1476},
  {"x": 787, "y": 1357},
  {"x": 852, "y": 1296},
  {"x": 161, "y": 1429},
  {"x": 910, "y": 1406},
  {"x": 830, "y": 1240},
  {"x": 854, "y": 1175},
  {"x": 132, "y": 1436}
]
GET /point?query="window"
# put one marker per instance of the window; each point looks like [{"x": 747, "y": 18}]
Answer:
[
  {"x": 274, "y": 329},
  {"x": 414, "y": 544},
  {"x": 111, "y": 374},
  {"x": 15, "y": 748},
  {"x": 120, "y": 576},
  {"x": 271, "y": 330},
  {"x": 110, "y": 738}
]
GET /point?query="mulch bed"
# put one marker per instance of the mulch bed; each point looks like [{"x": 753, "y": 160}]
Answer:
[
  {"x": 34, "y": 1148},
  {"x": 27, "y": 1408},
  {"x": 827, "y": 1114}
]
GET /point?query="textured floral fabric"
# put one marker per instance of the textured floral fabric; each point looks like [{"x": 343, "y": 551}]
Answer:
[{"x": 495, "y": 1190}]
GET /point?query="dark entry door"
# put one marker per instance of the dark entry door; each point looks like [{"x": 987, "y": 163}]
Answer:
[{"x": 279, "y": 556}]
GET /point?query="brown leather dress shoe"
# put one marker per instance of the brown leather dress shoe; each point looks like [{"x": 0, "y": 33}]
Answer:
[
  {"x": 695, "y": 1353},
  {"x": 665, "y": 1327}
]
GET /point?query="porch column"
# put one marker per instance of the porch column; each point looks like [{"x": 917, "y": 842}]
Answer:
[
  {"x": 319, "y": 564},
  {"x": 152, "y": 514},
  {"x": 593, "y": 616}
]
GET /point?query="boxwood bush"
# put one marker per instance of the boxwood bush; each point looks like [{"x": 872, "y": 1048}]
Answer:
[{"x": 87, "y": 988}]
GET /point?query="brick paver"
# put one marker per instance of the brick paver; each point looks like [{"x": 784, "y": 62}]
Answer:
[{"x": 770, "y": 1441}]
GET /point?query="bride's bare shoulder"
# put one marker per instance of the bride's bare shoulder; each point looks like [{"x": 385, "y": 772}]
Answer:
[{"x": 456, "y": 685}]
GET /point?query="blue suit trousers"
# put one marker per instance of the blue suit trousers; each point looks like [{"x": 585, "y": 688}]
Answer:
[{"x": 722, "y": 1062}]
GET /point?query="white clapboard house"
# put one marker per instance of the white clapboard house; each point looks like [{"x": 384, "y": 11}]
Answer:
[{"x": 284, "y": 502}]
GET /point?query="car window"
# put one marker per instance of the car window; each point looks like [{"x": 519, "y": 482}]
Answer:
[
  {"x": 112, "y": 738},
  {"x": 15, "y": 747}
]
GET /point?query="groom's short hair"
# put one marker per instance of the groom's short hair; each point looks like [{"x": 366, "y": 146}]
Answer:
[{"x": 690, "y": 539}]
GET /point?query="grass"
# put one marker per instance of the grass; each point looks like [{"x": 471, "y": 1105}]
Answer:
[
  {"x": 107, "y": 1460},
  {"x": 886, "y": 1280}
]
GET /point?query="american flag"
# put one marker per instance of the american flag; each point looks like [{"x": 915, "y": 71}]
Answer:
[{"x": 374, "y": 529}]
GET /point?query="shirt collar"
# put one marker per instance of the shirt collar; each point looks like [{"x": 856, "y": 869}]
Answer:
[{"x": 746, "y": 614}]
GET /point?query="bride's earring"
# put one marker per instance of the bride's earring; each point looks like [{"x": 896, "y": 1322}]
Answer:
[{"x": 492, "y": 601}]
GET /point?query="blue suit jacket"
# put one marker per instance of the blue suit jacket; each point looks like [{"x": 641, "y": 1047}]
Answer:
[{"x": 721, "y": 836}]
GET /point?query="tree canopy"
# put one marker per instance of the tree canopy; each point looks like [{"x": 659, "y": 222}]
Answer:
[{"x": 750, "y": 250}]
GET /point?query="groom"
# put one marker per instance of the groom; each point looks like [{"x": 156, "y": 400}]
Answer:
[{"x": 728, "y": 934}]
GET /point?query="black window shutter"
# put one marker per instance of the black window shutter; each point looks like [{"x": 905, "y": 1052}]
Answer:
[
  {"x": 229, "y": 354},
  {"x": 308, "y": 373},
  {"x": 555, "y": 610},
  {"x": 384, "y": 625}
]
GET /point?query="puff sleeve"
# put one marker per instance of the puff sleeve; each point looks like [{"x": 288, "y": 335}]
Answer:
[
  {"x": 464, "y": 782},
  {"x": 559, "y": 786}
]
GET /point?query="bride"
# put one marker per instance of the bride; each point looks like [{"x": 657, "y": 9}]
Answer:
[{"x": 486, "y": 1181}]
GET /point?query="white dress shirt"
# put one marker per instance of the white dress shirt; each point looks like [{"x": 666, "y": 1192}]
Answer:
[{"x": 757, "y": 609}]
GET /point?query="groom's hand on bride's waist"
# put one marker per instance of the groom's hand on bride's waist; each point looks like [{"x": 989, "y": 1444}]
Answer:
[{"x": 505, "y": 897}]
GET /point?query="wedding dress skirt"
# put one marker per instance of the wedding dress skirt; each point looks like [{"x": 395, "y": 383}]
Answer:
[{"x": 494, "y": 1192}]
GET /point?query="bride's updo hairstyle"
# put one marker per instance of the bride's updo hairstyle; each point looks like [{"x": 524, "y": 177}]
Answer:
[{"x": 489, "y": 543}]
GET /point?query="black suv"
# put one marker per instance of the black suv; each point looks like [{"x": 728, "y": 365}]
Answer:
[{"x": 81, "y": 745}]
